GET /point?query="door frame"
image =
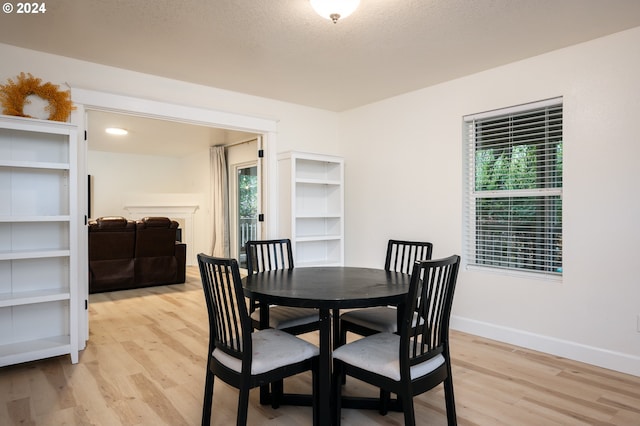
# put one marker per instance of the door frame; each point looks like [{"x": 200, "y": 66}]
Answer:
[{"x": 85, "y": 100}]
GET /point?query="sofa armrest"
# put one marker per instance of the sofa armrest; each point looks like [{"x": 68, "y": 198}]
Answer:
[{"x": 181, "y": 258}]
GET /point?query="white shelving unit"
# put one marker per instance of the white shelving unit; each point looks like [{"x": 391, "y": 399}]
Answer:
[
  {"x": 311, "y": 207},
  {"x": 38, "y": 240}
]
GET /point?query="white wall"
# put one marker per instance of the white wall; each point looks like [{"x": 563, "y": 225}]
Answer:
[
  {"x": 114, "y": 176},
  {"x": 407, "y": 152},
  {"x": 197, "y": 178}
]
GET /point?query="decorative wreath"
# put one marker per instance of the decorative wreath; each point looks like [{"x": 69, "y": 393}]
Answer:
[{"x": 13, "y": 97}]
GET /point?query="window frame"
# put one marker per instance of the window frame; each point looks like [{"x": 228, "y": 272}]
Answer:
[{"x": 548, "y": 190}]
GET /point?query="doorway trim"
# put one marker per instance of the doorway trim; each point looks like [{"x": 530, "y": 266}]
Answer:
[{"x": 90, "y": 100}]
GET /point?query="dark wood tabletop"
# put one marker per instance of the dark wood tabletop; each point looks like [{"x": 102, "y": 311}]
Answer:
[{"x": 328, "y": 287}]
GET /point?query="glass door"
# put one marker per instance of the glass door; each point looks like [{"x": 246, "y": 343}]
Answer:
[
  {"x": 245, "y": 187},
  {"x": 246, "y": 209}
]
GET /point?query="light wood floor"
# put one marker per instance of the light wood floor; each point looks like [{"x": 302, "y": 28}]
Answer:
[{"x": 145, "y": 364}]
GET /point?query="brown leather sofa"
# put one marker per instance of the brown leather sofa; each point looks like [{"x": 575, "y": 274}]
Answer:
[{"x": 126, "y": 254}]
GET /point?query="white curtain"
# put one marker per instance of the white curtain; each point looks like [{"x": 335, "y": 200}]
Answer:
[{"x": 219, "y": 202}]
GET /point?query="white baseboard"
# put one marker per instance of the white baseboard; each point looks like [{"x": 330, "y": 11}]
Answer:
[{"x": 624, "y": 363}]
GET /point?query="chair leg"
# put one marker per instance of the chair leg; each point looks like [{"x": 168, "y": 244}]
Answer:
[
  {"x": 407, "y": 407},
  {"x": 277, "y": 389},
  {"x": 208, "y": 398},
  {"x": 243, "y": 405},
  {"x": 265, "y": 395},
  {"x": 385, "y": 398},
  {"x": 343, "y": 336},
  {"x": 338, "y": 376},
  {"x": 343, "y": 340},
  {"x": 450, "y": 401},
  {"x": 337, "y": 339},
  {"x": 315, "y": 392}
]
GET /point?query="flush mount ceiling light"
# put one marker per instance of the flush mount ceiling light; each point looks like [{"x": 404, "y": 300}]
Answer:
[
  {"x": 116, "y": 131},
  {"x": 334, "y": 9}
]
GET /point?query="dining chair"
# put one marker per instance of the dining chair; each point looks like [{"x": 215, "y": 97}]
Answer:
[
  {"x": 400, "y": 257},
  {"x": 272, "y": 255},
  {"x": 417, "y": 359},
  {"x": 238, "y": 355}
]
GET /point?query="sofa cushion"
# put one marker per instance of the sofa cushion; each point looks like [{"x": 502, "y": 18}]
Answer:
[
  {"x": 158, "y": 222},
  {"x": 155, "y": 236},
  {"x": 111, "y": 222},
  {"x": 111, "y": 238}
]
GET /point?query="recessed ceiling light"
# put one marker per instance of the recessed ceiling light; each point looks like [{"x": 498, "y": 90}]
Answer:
[{"x": 116, "y": 131}]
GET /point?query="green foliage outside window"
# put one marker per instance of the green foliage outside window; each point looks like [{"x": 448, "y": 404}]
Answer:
[
  {"x": 248, "y": 195},
  {"x": 515, "y": 227}
]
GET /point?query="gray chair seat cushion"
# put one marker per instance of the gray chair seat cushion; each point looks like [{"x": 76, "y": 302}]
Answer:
[
  {"x": 271, "y": 349},
  {"x": 379, "y": 353}
]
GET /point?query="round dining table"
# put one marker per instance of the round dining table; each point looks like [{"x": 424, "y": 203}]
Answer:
[{"x": 328, "y": 289}]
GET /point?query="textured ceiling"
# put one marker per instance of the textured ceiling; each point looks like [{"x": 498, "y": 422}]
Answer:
[{"x": 281, "y": 49}]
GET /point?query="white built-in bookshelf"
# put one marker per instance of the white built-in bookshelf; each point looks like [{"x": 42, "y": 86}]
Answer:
[
  {"x": 38, "y": 240},
  {"x": 311, "y": 207}
]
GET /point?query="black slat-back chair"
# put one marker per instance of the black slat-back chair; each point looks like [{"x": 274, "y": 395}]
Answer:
[
  {"x": 271, "y": 255},
  {"x": 239, "y": 356},
  {"x": 401, "y": 256},
  {"x": 417, "y": 359}
]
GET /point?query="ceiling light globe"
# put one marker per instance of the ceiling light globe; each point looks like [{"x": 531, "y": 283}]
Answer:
[{"x": 334, "y": 9}]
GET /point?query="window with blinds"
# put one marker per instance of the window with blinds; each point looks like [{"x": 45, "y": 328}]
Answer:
[{"x": 513, "y": 196}]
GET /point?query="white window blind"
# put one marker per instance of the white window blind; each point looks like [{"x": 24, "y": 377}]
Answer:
[{"x": 513, "y": 188}]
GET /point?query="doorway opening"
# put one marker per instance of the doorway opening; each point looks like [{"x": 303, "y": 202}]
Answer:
[
  {"x": 88, "y": 101},
  {"x": 153, "y": 167}
]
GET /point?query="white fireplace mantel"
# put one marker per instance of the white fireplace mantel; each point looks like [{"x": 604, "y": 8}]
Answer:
[{"x": 179, "y": 207}]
